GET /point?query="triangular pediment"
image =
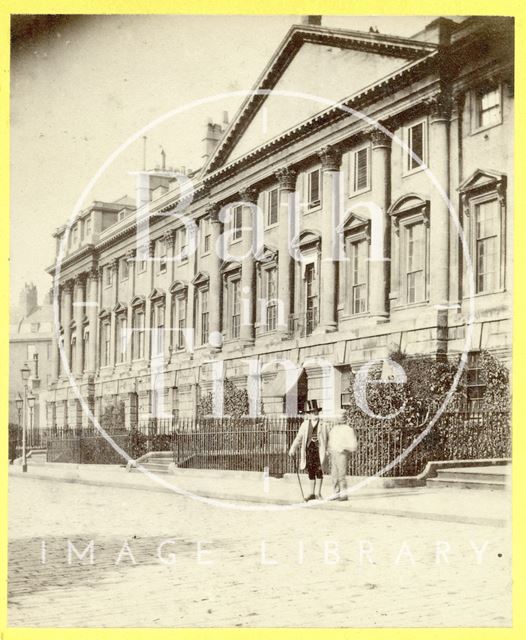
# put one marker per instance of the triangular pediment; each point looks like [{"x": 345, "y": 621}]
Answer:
[
  {"x": 312, "y": 68},
  {"x": 481, "y": 179}
]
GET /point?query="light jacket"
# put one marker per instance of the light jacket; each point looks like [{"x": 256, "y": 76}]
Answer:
[
  {"x": 342, "y": 438},
  {"x": 303, "y": 438}
]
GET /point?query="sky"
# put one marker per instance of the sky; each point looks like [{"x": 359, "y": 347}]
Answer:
[{"x": 81, "y": 86}]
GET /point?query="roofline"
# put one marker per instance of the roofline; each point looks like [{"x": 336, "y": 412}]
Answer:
[{"x": 294, "y": 38}]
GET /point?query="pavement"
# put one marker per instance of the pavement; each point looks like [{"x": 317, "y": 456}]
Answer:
[
  {"x": 160, "y": 560},
  {"x": 252, "y": 491}
]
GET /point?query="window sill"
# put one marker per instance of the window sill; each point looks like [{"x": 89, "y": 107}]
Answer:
[
  {"x": 353, "y": 194},
  {"x": 271, "y": 226},
  {"x": 312, "y": 207},
  {"x": 486, "y": 128},
  {"x": 353, "y": 316},
  {"x": 412, "y": 172},
  {"x": 481, "y": 294},
  {"x": 410, "y": 305}
]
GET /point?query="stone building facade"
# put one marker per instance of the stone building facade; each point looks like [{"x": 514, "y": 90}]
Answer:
[
  {"x": 152, "y": 315},
  {"x": 30, "y": 343}
]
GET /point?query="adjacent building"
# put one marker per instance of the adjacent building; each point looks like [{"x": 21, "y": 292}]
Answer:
[
  {"x": 30, "y": 343},
  {"x": 151, "y": 315}
]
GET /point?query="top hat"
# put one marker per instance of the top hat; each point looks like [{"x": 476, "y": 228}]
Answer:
[{"x": 311, "y": 406}]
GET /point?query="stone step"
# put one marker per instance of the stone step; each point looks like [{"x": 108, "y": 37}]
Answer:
[
  {"x": 452, "y": 474},
  {"x": 154, "y": 467},
  {"x": 453, "y": 483}
]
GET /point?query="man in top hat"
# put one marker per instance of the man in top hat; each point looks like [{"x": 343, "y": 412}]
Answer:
[{"x": 311, "y": 439}]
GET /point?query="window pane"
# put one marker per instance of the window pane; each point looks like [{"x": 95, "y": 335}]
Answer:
[
  {"x": 416, "y": 145},
  {"x": 314, "y": 186},
  {"x": 272, "y": 215},
  {"x": 415, "y": 262},
  {"x": 489, "y": 108},
  {"x": 487, "y": 238},
  {"x": 360, "y": 169}
]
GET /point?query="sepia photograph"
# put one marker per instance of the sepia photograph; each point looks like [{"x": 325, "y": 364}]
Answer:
[{"x": 260, "y": 321}]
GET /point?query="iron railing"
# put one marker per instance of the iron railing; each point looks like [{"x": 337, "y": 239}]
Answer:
[{"x": 256, "y": 444}]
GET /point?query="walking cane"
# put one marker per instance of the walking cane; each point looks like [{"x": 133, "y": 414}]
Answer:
[{"x": 298, "y": 476}]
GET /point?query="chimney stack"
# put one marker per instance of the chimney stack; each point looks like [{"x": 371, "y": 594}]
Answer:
[
  {"x": 213, "y": 132},
  {"x": 311, "y": 20},
  {"x": 28, "y": 299}
]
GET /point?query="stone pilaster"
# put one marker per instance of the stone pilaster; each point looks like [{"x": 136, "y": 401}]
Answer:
[
  {"x": 80, "y": 292},
  {"x": 114, "y": 265},
  {"x": 216, "y": 290},
  {"x": 380, "y": 232},
  {"x": 330, "y": 157},
  {"x": 92, "y": 298},
  {"x": 440, "y": 109},
  {"x": 67, "y": 295},
  {"x": 287, "y": 182},
  {"x": 249, "y": 198},
  {"x": 150, "y": 267},
  {"x": 130, "y": 257}
]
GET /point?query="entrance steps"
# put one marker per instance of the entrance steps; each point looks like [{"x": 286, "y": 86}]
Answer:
[
  {"x": 491, "y": 477},
  {"x": 156, "y": 462}
]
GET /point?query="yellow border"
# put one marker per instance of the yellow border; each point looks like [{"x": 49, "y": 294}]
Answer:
[{"x": 335, "y": 7}]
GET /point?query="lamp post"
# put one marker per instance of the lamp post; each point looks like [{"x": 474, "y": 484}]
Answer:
[
  {"x": 31, "y": 405},
  {"x": 25, "y": 372},
  {"x": 19, "y": 402}
]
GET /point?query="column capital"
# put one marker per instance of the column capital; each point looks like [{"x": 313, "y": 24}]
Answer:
[
  {"x": 68, "y": 285},
  {"x": 130, "y": 255},
  {"x": 80, "y": 279},
  {"x": 379, "y": 137},
  {"x": 440, "y": 106},
  {"x": 169, "y": 236},
  {"x": 93, "y": 273},
  {"x": 458, "y": 101},
  {"x": 249, "y": 195},
  {"x": 114, "y": 264},
  {"x": 151, "y": 248},
  {"x": 331, "y": 158},
  {"x": 212, "y": 210},
  {"x": 287, "y": 178}
]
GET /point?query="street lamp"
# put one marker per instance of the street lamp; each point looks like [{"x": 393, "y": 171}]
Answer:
[
  {"x": 19, "y": 402},
  {"x": 25, "y": 372},
  {"x": 31, "y": 405}
]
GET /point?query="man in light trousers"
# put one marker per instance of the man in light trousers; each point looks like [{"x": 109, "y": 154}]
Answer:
[{"x": 342, "y": 442}]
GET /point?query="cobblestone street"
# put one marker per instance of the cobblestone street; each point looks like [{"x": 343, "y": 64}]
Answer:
[{"x": 162, "y": 560}]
